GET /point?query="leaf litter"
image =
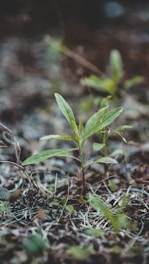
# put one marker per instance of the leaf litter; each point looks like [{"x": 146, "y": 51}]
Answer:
[{"x": 48, "y": 220}]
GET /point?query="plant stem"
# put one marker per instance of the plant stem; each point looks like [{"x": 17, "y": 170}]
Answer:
[
  {"x": 82, "y": 169},
  {"x": 83, "y": 183},
  {"x": 104, "y": 141}
]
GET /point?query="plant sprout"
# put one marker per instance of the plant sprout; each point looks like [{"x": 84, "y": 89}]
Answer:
[
  {"x": 80, "y": 133},
  {"x": 113, "y": 83}
]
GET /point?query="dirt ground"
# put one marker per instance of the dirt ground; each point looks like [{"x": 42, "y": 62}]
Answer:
[{"x": 43, "y": 218}]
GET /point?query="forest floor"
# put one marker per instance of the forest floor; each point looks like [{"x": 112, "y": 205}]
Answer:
[{"x": 43, "y": 217}]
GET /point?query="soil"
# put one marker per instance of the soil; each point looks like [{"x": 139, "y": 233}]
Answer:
[{"x": 43, "y": 216}]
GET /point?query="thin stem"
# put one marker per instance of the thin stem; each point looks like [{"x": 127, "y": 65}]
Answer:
[
  {"x": 76, "y": 57},
  {"x": 103, "y": 136},
  {"x": 83, "y": 182},
  {"x": 82, "y": 169},
  {"x": 19, "y": 166},
  {"x": 13, "y": 163}
]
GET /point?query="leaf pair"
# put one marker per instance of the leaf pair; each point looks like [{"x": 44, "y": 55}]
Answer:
[{"x": 102, "y": 118}]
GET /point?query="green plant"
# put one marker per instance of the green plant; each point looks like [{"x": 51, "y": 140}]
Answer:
[
  {"x": 104, "y": 136},
  {"x": 106, "y": 133},
  {"x": 95, "y": 232},
  {"x": 80, "y": 253},
  {"x": 114, "y": 84},
  {"x": 117, "y": 220},
  {"x": 3, "y": 207},
  {"x": 80, "y": 133},
  {"x": 34, "y": 244}
]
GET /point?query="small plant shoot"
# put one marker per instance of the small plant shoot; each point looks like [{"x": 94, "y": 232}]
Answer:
[
  {"x": 112, "y": 83},
  {"x": 96, "y": 124},
  {"x": 118, "y": 220}
]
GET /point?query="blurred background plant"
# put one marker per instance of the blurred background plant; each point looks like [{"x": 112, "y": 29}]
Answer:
[{"x": 113, "y": 82}]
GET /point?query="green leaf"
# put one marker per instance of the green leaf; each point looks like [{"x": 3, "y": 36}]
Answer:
[
  {"x": 109, "y": 117},
  {"x": 92, "y": 81},
  {"x": 65, "y": 137},
  {"x": 3, "y": 207},
  {"x": 55, "y": 48},
  {"x": 98, "y": 146},
  {"x": 80, "y": 253},
  {"x": 106, "y": 160},
  {"x": 112, "y": 186},
  {"x": 117, "y": 152},
  {"x": 100, "y": 120},
  {"x": 95, "y": 232},
  {"x": 117, "y": 221},
  {"x": 109, "y": 86},
  {"x": 46, "y": 154},
  {"x": 99, "y": 205},
  {"x": 34, "y": 244},
  {"x": 125, "y": 200},
  {"x": 133, "y": 81},
  {"x": 69, "y": 208},
  {"x": 67, "y": 112},
  {"x": 54, "y": 203},
  {"x": 122, "y": 128},
  {"x": 94, "y": 124},
  {"x": 116, "y": 65},
  {"x": 105, "y": 101}
]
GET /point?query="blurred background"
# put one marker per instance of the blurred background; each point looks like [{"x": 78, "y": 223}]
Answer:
[{"x": 30, "y": 70}]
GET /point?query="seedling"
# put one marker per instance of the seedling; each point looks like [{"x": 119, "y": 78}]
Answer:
[
  {"x": 114, "y": 83},
  {"x": 117, "y": 220},
  {"x": 80, "y": 133},
  {"x": 104, "y": 136}
]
